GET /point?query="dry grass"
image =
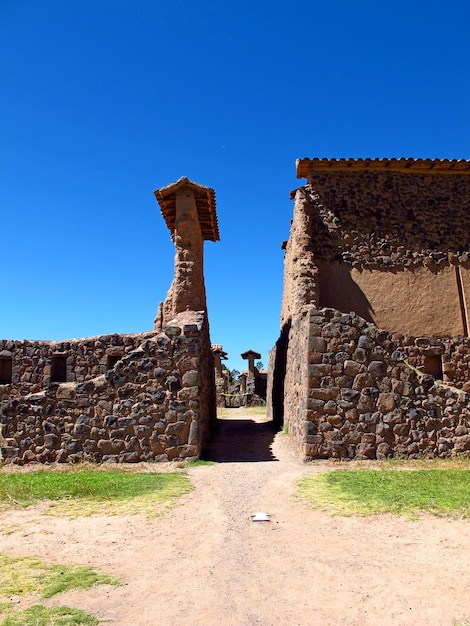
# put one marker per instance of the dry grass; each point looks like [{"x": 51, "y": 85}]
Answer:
[{"x": 249, "y": 411}]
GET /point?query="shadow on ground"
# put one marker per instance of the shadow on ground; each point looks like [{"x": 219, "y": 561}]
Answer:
[{"x": 239, "y": 440}]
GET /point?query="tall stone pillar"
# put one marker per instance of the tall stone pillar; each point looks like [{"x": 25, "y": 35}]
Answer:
[
  {"x": 251, "y": 355},
  {"x": 189, "y": 212}
]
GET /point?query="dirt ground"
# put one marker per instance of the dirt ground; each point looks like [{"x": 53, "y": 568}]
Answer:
[{"x": 207, "y": 562}]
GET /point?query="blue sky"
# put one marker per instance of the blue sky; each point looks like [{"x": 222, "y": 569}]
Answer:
[{"x": 104, "y": 101}]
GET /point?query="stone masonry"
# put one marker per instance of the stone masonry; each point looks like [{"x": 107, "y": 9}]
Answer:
[
  {"x": 152, "y": 404},
  {"x": 122, "y": 398},
  {"x": 373, "y": 357},
  {"x": 352, "y": 394}
]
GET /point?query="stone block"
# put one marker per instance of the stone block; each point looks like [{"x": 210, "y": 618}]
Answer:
[
  {"x": 315, "y": 451},
  {"x": 352, "y": 368},
  {"x": 319, "y": 370},
  {"x": 461, "y": 444},
  {"x": 315, "y": 404},
  {"x": 188, "y": 393},
  {"x": 377, "y": 369},
  {"x": 330, "y": 407},
  {"x": 316, "y": 344},
  {"x": 386, "y": 402},
  {"x": 393, "y": 417},
  {"x": 65, "y": 391},
  {"x": 384, "y": 451},
  {"x": 363, "y": 380},
  {"x": 190, "y": 378},
  {"x": 320, "y": 393},
  {"x": 335, "y": 420},
  {"x": 193, "y": 437},
  {"x": 366, "y": 342},
  {"x": 365, "y": 451}
]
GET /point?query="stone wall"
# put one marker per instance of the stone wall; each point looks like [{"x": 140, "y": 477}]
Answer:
[
  {"x": 375, "y": 311},
  {"x": 392, "y": 246},
  {"x": 351, "y": 395},
  {"x": 32, "y": 361},
  {"x": 155, "y": 402},
  {"x": 390, "y": 218}
]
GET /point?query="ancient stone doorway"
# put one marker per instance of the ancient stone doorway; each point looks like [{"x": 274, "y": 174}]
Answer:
[{"x": 241, "y": 437}]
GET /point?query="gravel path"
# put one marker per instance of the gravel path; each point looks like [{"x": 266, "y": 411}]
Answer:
[{"x": 207, "y": 562}]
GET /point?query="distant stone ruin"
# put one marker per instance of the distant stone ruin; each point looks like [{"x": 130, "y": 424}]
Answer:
[
  {"x": 248, "y": 389},
  {"x": 122, "y": 398},
  {"x": 253, "y": 381},
  {"x": 373, "y": 358}
]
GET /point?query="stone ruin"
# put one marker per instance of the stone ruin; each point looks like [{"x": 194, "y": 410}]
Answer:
[
  {"x": 373, "y": 357},
  {"x": 372, "y": 360},
  {"x": 122, "y": 398},
  {"x": 248, "y": 390},
  {"x": 253, "y": 381}
]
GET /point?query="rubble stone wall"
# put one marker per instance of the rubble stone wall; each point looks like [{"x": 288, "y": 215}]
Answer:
[
  {"x": 372, "y": 250},
  {"x": 32, "y": 361},
  {"x": 351, "y": 395},
  {"x": 156, "y": 402},
  {"x": 395, "y": 244}
]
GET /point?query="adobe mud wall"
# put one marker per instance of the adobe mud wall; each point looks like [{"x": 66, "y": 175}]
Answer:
[
  {"x": 156, "y": 402},
  {"x": 392, "y": 246}
]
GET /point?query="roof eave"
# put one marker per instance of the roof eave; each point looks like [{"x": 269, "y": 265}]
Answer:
[{"x": 305, "y": 166}]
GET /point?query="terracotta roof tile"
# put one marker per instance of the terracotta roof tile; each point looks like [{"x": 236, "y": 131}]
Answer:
[
  {"x": 438, "y": 166},
  {"x": 205, "y": 203}
]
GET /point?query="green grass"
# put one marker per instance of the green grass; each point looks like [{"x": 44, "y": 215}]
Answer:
[
  {"x": 198, "y": 463},
  {"x": 84, "y": 491},
  {"x": 444, "y": 492},
  {"x": 25, "y": 575},
  {"x": 39, "y": 615},
  {"x": 5, "y": 607},
  {"x": 28, "y": 576}
]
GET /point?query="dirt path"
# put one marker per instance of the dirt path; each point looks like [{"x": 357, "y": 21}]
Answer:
[{"x": 206, "y": 562}]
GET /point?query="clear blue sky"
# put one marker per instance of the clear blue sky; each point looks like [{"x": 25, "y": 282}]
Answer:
[{"x": 103, "y": 101}]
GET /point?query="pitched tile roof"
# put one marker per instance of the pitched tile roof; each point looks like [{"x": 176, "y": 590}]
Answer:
[
  {"x": 427, "y": 166},
  {"x": 205, "y": 203}
]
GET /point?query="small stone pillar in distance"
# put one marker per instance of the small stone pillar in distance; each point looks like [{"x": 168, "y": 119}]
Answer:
[
  {"x": 251, "y": 355},
  {"x": 189, "y": 211},
  {"x": 219, "y": 354}
]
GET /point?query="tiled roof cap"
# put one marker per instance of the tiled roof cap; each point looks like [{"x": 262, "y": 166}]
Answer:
[
  {"x": 205, "y": 203},
  {"x": 217, "y": 349},
  {"x": 439, "y": 166},
  {"x": 252, "y": 353}
]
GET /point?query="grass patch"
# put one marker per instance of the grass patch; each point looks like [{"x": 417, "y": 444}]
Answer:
[
  {"x": 443, "y": 492},
  {"x": 243, "y": 410},
  {"x": 55, "y": 616},
  {"x": 199, "y": 462},
  {"x": 21, "y": 576},
  {"x": 78, "y": 491},
  {"x": 5, "y": 607},
  {"x": 457, "y": 462}
]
